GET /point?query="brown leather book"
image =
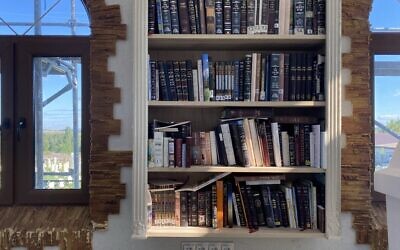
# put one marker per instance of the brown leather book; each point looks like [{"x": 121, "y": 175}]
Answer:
[{"x": 220, "y": 204}]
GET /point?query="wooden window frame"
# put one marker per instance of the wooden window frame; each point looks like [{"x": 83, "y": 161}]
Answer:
[
  {"x": 382, "y": 43},
  {"x": 23, "y": 167}
]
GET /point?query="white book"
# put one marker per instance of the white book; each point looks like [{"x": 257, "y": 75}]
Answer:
[
  {"x": 324, "y": 147},
  {"x": 255, "y": 143},
  {"x": 213, "y": 140},
  {"x": 287, "y": 6},
  {"x": 195, "y": 85},
  {"x": 295, "y": 206},
  {"x": 282, "y": 17},
  {"x": 290, "y": 208},
  {"x": 249, "y": 145},
  {"x": 312, "y": 150},
  {"x": 263, "y": 182},
  {"x": 226, "y": 134},
  {"x": 276, "y": 144},
  {"x": 195, "y": 185},
  {"x": 165, "y": 152},
  {"x": 200, "y": 80},
  {"x": 158, "y": 148},
  {"x": 150, "y": 153},
  {"x": 253, "y": 77},
  {"x": 285, "y": 148},
  {"x": 157, "y": 85},
  {"x": 184, "y": 159},
  {"x": 235, "y": 208},
  {"x": 316, "y": 129}
]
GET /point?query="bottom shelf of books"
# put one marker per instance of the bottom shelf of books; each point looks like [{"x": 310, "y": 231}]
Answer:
[{"x": 238, "y": 205}]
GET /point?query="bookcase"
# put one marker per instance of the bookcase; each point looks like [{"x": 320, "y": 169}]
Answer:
[{"x": 204, "y": 116}]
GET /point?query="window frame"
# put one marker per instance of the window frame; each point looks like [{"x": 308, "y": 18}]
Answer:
[
  {"x": 381, "y": 43},
  {"x": 25, "y": 49}
]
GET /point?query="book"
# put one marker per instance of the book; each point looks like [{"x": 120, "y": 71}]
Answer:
[
  {"x": 197, "y": 185},
  {"x": 220, "y": 203},
  {"x": 276, "y": 144},
  {"x": 166, "y": 17},
  {"x": 173, "y": 7},
  {"x": 210, "y": 16},
  {"x": 228, "y": 144},
  {"x": 219, "y": 19},
  {"x": 183, "y": 17}
]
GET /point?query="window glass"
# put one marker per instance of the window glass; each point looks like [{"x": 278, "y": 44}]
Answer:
[
  {"x": 387, "y": 103},
  {"x": 43, "y": 17},
  {"x": 57, "y": 99},
  {"x": 385, "y": 15}
]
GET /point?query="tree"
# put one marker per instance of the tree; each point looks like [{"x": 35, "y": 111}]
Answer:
[{"x": 394, "y": 125}]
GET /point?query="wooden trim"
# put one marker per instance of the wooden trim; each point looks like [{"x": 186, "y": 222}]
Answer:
[
  {"x": 26, "y": 50},
  {"x": 7, "y": 110},
  {"x": 385, "y": 43}
]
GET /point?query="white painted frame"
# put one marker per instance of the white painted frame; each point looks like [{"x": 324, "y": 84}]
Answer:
[{"x": 333, "y": 118}]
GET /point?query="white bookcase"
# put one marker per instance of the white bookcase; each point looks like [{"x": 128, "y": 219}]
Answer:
[{"x": 168, "y": 45}]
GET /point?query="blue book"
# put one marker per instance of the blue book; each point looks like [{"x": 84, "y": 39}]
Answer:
[
  {"x": 166, "y": 16},
  {"x": 160, "y": 24},
  {"x": 206, "y": 77},
  {"x": 236, "y": 81}
]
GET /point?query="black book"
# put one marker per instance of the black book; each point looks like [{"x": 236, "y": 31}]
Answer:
[
  {"x": 276, "y": 208},
  {"x": 152, "y": 16},
  {"x": 171, "y": 81},
  {"x": 189, "y": 79},
  {"x": 222, "y": 158},
  {"x": 264, "y": 13},
  {"x": 292, "y": 151},
  {"x": 298, "y": 76},
  {"x": 202, "y": 12},
  {"x": 252, "y": 207},
  {"x": 236, "y": 143},
  {"x": 197, "y": 15},
  {"x": 267, "y": 77},
  {"x": 320, "y": 75},
  {"x": 166, "y": 16},
  {"x": 270, "y": 143},
  {"x": 230, "y": 198},
  {"x": 214, "y": 205},
  {"x": 321, "y": 27},
  {"x": 184, "y": 209},
  {"x": 242, "y": 217},
  {"x": 192, "y": 16},
  {"x": 211, "y": 80},
  {"x": 293, "y": 77},
  {"x": 247, "y": 78},
  {"x": 267, "y": 205},
  {"x": 208, "y": 207},
  {"x": 173, "y": 7},
  {"x": 251, "y": 15},
  {"x": 286, "y": 75},
  {"x": 189, "y": 207},
  {"x": 299, "y": 16},
  {"x": 219, "y": 17},
  {"x": 243, "y": 17},
  {"x": 153, "y": 75},
  {"x": 303, "y": 76},
  {"x": 275, "y": 68},
  {"x": 184, "y": 17},
  {"x": 236, "y": 4},
  {"x": 307, "y": 147},
  {"x": 184, "y": 80},
  {"x": 164, "y": 93},
  {"x": 246, "y": 206},
  {"x": 177, "y": 78},
  {"x": 201, "y": 208},
  {"x": 258, "y": 204},
  {"x": 273, "y": 17},
  {"x": 235, "y": 95},
  {"x": 309, "y": 76},
  {"x": 300, "y": 206},
  {"x": 159, "y": 14},
  {"x": 225, "y": 205},
  {"x": 309, "y": 17},
  {"x": 227, "y": 17},
  {"x": 283, "y": 207},
  {"x": 194, "y": 209}
]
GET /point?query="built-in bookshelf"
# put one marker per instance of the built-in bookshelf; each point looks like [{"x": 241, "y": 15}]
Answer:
[{"x": 205, "y": 115}]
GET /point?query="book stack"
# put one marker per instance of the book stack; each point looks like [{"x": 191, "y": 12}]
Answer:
[
  {"x": 256, "y": 77},
  {"x": 236, "y": 17},
  {"x": 246, "y": 201},
  {"x": 242, "y": 142}
]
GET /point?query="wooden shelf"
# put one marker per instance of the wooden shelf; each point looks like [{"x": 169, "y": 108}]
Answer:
[
  {"x": 187, "y": 104},
  {"x": 183, "y": 232},
  {"x": 233, "y": 42},
  {"x": 216, "y": 169}
]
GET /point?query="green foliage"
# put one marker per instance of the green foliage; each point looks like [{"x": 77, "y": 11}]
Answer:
[
  {"x": 394, "y": 125},
  {"x": 59, "y": 142}
]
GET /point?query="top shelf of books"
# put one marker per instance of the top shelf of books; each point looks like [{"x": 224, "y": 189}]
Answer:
[{"x": 233, "y": 42}]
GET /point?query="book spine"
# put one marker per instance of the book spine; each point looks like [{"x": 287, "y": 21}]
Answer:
[
  {"x": 186, "y": 80},
  {"x": 285, "y": 148},
  {"x": 171, "y": 153},
  {"x": 153, "y": 77},
  {"x": 258, "y": 207},
  {"x": 159, "y": 13},
  {"x": 178, "y": 152},
  {"x": 211, "y": 81},
  {"x": 236, "y": 16},
  {"x": 321, "y": 10},
  {"x": 303, "y": 76},
  {"x": 276, "y": 17},
  {"x": 241, "y": 80},
  {"x": 293, "y": 77},
  {"x": 200, "y": 80},
  {"x": 275, "y": 76},
  {"x": 320, "y": 76},
  {"x": 276, "y": 208},
  {"x": 267, "y": 204},
  {"x": 206, "y": 77},
  {"x": 324, "y": 147},
  {"x": 286, "y": 77},
  {"x": 276, "y": 144},
  {"x": 177, "y": 79},
  {"x": 251, "y": 206},
  {"x": 197, "y": 15},
  {"x": 237, "y": 149},
  {"x": 213, "y": 141},
  {"x": 255, "y": 142},
  {"x": 253, "y": 77},
  {"x": 195, "y": 77},
  {"x": 284, "y": 208},
  {"x": 208, "y": 207},
  {"x": 247, "y": 78},
  {"x": 194, "y": 210},
  {"x": 203, "y": 149},
  {"x": 220, "y": 204},
  {"x": 243, "y": 17},
  {"x": 189, "y": 207},
  {"x": 228, "y": 144},
  {"x": 184, "y": 17},
  {"x": 214, "y": 206},
  {"x": 166, "y": 16},
  {"x": 163, "y": 81},
  {"x": 222, "y": 158},
  {"x": 171, "y": 81},
  {"x": 203, "y": 26},
  {"x": 192, "y": 16},
  {"x": 267, "y": 77},
  {"x": 150, "y": 153},
  {"x": 298, "y": 76},
  {"x": 251, "y": 16},
  {"x": 152, "y": 16},
  {"x": 281, "y": 76},
  {"x": 316, "y": 129},
  {"x": 173, "y": 7},
  {"x": 229, "y": 190},
  {"x": 309, "y": 17},
  {"x": 240, "y": 208},
  {"x": 292, "y": 151},
  {"x": 210, "y": 16},
  {"x": 219, "y": 17},
  {"x": 177, "y": 209},
  {"x": 158, "y": 148},
  {"x": 264, "y": 14},
  {"x": 299, "y": 16},
  {"x": 235, "y": 95},
  {"x": 201, "y": 208},
  {"x": 227, "y": 17},
  {"x": 184, "y": 209},
  {"x": 307, "y": 144}
]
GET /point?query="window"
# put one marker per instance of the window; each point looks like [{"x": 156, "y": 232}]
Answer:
[
  {"x": 385, "y": 56},
  {"x": 44, "y": 102}
]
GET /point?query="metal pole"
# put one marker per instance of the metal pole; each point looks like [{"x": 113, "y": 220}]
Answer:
[
  {"x": 39, "y": 104},
  {"x": 75, "y": 107}
]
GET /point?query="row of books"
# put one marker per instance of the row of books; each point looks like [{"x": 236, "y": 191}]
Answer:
[
  {"x": 246, "y": 142},
  {"x": 236, "y": 17},
  {"x": 243, "y": 201},
  {"x": 257, "y": 77}
]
